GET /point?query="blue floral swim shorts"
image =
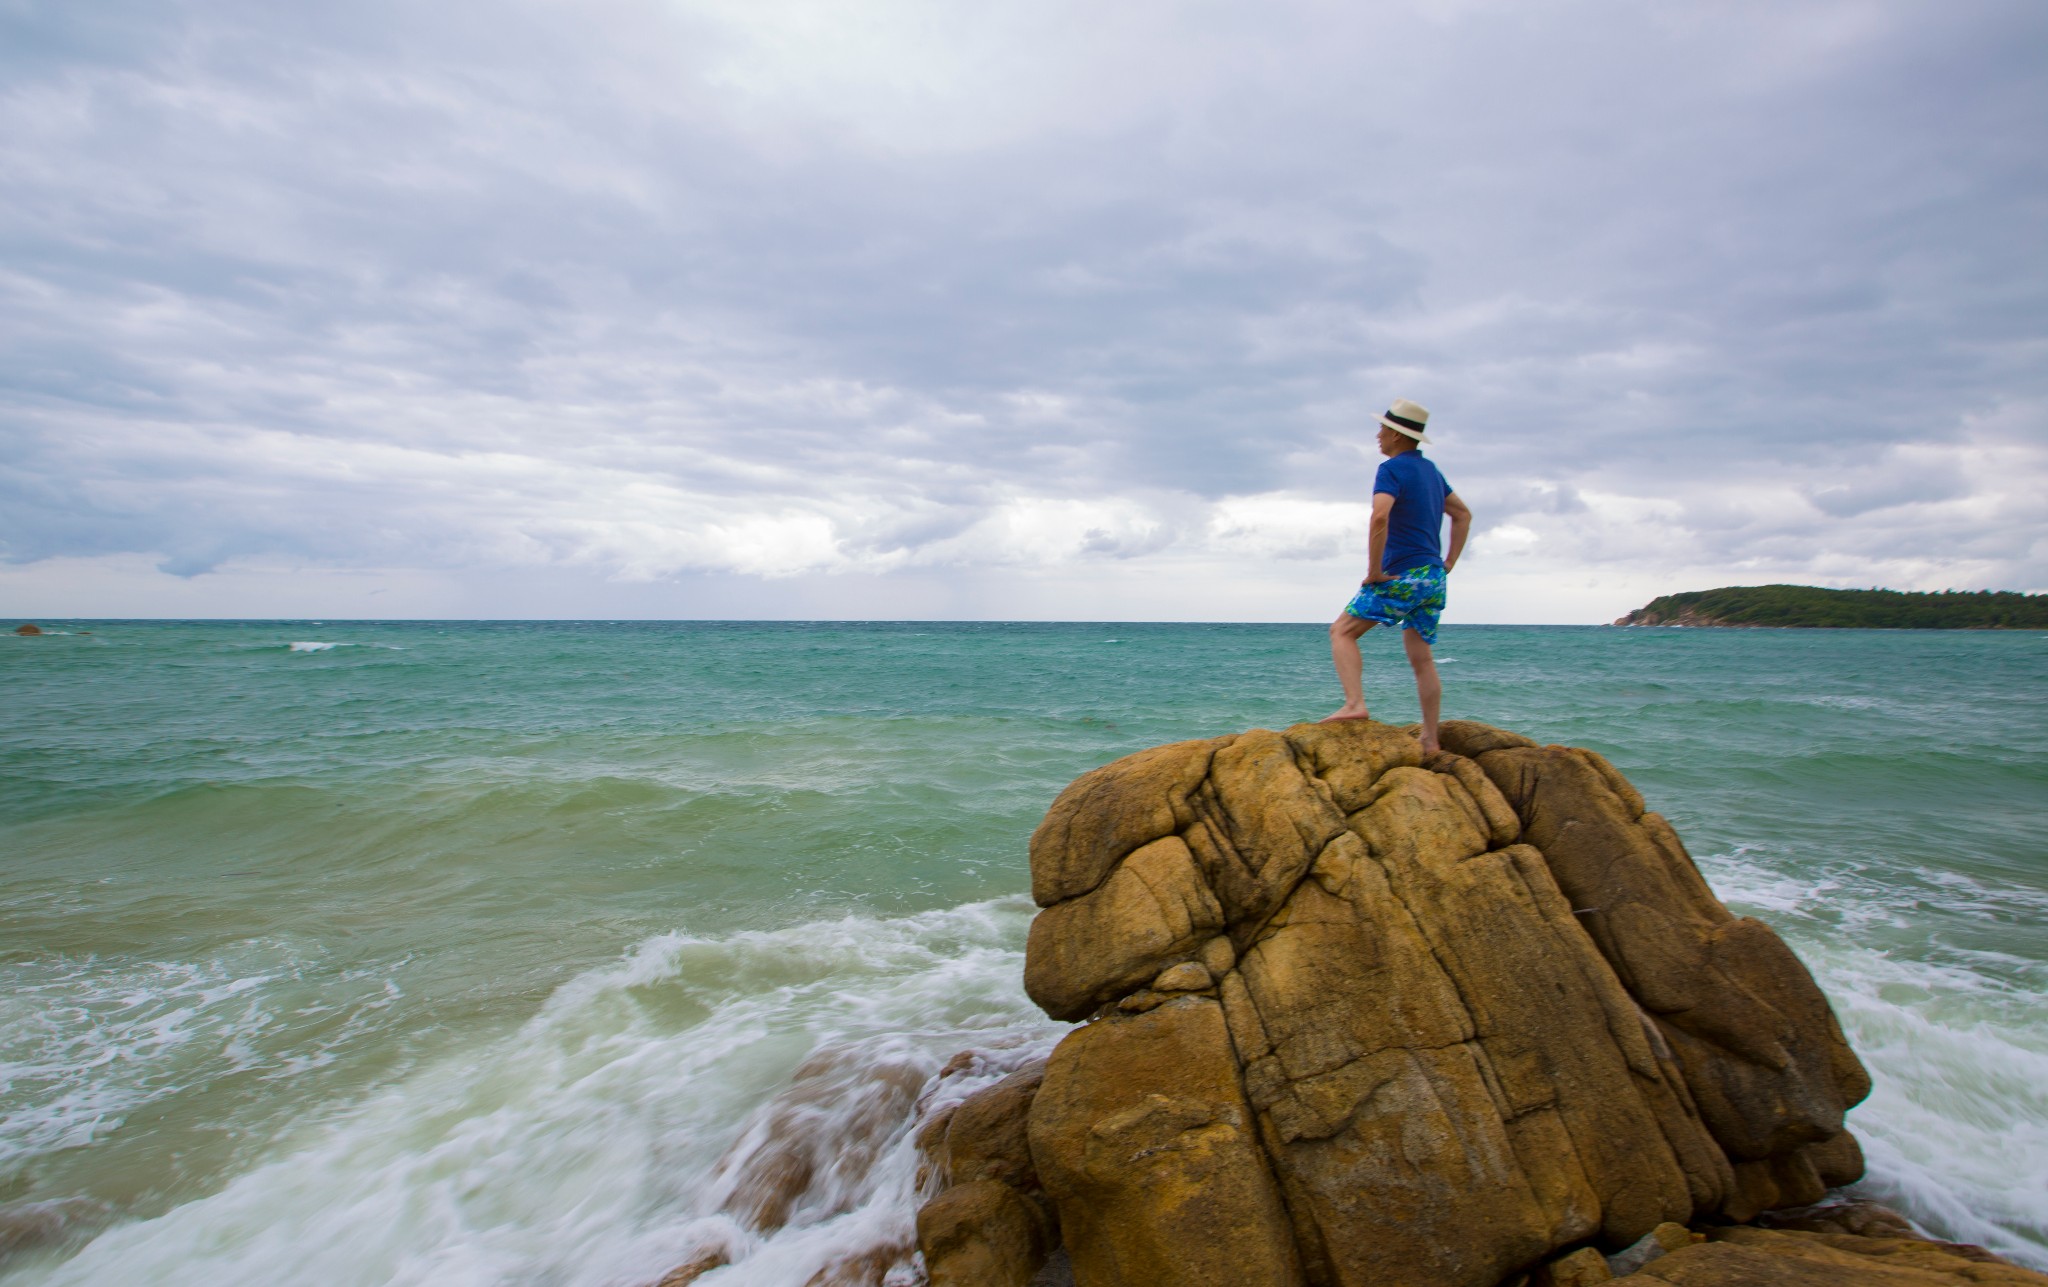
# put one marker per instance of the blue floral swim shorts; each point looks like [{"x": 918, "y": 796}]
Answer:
[{"x": 1414, "y": 599}]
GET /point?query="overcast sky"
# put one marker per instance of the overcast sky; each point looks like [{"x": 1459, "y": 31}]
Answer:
[{"x": 689, "y": 308}]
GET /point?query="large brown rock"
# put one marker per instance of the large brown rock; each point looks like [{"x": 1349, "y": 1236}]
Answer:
[
  {"x": 1154, "y": 910},
  {"x": 1363, "y": 1019},
  {"x": 1763, "y": 1055},
  {"x": 1142, "y": 1135},
  {"x": 1106, "y": 814}
]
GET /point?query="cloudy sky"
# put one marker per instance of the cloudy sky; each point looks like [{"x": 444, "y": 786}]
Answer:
[{"x": 930, "y": 308}]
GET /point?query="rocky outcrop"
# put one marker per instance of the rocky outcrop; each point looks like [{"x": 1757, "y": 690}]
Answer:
[
  {"x": 28, "y": 628},
  {"x": 1360, "y": 1017},
  {"x": 991, "y": 1224},
  {"x": 1751, "y": 1257}
]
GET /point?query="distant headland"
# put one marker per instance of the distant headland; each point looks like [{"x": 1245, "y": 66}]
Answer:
[{"x": 1805, "y": 605}]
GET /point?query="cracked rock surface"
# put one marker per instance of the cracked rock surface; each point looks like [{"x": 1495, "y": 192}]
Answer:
[{"x": 1361, "y": 1017}]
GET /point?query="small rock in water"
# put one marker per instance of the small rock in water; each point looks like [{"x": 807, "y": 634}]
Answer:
[
  {"x": 862, "y": 1269},
  {"x": 684, "y": 1275},
  {"x": 811, "y": 1142},
  {"x": 30, "y": 628},
  {"x": 25, "y": 1226}
]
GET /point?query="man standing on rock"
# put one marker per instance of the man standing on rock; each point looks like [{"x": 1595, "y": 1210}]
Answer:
[{"x": 1405, "y": 586}]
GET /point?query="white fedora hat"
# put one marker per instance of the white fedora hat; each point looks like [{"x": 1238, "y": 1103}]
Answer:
[{"x": 1407, "y": 417}]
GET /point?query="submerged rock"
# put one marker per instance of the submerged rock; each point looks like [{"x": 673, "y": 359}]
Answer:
[
  {"x": 811, "y": 1144},
  {"x": 1359, "y": 1017},
  {"x": 699, "y": 1265},
  {"x": 54, "y": 1222},
  {"x": 804, "y": 1159}
]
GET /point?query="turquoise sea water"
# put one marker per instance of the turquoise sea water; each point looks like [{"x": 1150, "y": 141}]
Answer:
[{"x": 461, "y": 953}]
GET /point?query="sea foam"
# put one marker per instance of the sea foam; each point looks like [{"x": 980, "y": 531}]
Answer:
[
  {"x": 200, "y": 814},
  {"x": 595, "y": 1148},
  {"x": 1955, "y": 1130}
]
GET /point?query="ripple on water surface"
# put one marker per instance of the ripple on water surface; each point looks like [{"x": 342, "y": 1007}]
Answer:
[{"x": 464, "y": 953}]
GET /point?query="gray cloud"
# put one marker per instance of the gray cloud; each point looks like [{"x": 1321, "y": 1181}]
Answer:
[{"x": 645, "y": 293}]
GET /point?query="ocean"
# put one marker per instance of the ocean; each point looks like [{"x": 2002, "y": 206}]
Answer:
[{"x": 451, "y": 954}]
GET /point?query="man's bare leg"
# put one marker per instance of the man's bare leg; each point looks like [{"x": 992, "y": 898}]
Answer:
[
  {"x": 1345, "y": 633},
  {"x": 1429, "y": 690}
]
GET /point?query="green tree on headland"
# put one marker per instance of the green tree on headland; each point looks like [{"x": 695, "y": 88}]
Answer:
[{"x": 1805, "y": 605}]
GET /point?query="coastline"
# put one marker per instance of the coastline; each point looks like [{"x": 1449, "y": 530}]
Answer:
[
  {"x": 1711, "y": 624},
  {"x": 1813, "y": 607}
]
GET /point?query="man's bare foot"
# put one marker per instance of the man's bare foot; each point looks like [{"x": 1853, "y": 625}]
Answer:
[
  {"x": 1429, "y": 744},
  {"x": 1344, "y": 712}
]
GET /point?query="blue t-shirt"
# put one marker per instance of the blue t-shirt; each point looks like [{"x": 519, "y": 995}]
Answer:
[{"x": 1415, "y": 527}]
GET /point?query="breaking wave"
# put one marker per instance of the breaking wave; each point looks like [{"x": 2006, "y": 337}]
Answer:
[{"x": 633, "y": 1124}]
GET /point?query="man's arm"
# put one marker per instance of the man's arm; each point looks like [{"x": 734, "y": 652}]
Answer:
[
  {"x": 1461, "y": 527},
  {"x": 1376, "y": 547}
]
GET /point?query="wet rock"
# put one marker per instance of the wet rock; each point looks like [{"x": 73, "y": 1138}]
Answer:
[
  {"x": 54, "y": 1222},
  {"x": 987, "y": 1136},
  {"x": 990, "y": 1222},
  {"x": 28, "y": 628},
  {"x": 699, "y": 1265},
  {"x": 809, "y": 1153},
  {"x": 870, "y": 1268},
  {"x": 1366, "y": 1018},
  {"x": 809, "y": 1147},
  {"x": 1742, "y": 1256}
]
